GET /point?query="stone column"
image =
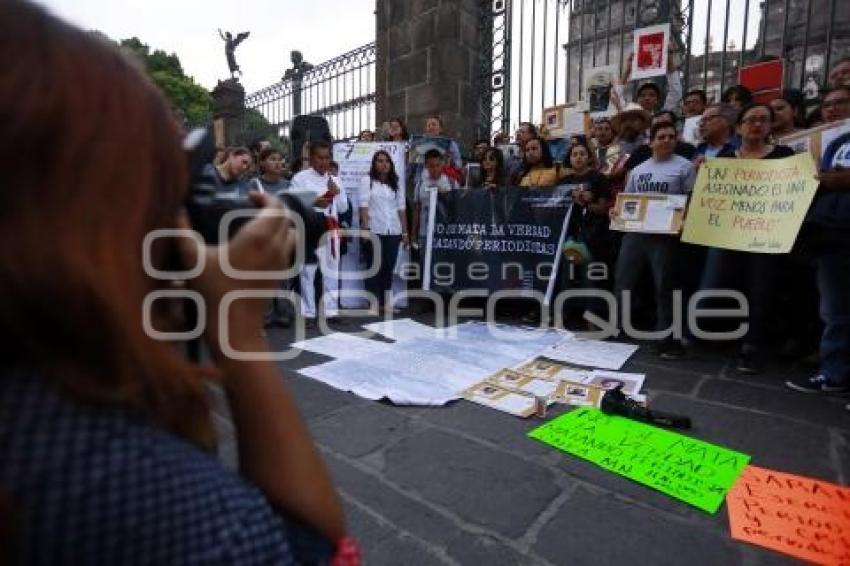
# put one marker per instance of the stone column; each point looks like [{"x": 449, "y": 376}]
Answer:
[
  {"x": 228, "y": 111},
  {"x": 428, "y": 61}
]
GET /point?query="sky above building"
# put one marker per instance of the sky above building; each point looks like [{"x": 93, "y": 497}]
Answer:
[{"x": 319, "y": 29}]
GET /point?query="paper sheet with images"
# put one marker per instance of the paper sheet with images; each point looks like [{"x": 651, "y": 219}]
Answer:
[
  {"x": 514, "y": 380},
  {"x": 515, "y": 343},
  {"x": 541, "y": 367},
  {"x": 343, "y": 346},
  {"x": 632, "y": 382},
  {"x": 404, "y": 377},
  {"x": 495, "y": 397},
  {"x": 402, "y": 329},
  {"x": 591, "y": 353}
]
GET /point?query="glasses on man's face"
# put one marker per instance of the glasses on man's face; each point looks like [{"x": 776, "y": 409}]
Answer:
[
  {"x": 753, "y": 120},
  {"x": 836, "y": 103}
]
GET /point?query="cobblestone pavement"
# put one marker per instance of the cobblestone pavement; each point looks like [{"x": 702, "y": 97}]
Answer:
[{"x": 462, "y": 484}]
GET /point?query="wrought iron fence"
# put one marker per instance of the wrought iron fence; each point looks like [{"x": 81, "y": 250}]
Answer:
[
  {"x": 537, "y": 51},
  {"x": 342, "y": 90}
]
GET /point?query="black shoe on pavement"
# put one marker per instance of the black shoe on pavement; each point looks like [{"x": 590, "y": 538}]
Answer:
[
  {"x": 816, "y": 384},
  {"x": 671, "y": 350}
]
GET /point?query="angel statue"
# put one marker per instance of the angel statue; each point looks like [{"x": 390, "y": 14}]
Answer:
[{"x": 230, "y": 46}]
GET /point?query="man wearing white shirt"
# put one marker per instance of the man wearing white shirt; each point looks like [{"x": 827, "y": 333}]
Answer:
[{"x": 331, "y": 201}]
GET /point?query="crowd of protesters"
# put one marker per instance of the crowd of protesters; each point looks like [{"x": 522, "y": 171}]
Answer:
[{"x": 640, "y": 148}]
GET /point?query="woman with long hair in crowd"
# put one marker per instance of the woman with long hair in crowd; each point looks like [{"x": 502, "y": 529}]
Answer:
[
  {"x": 383, "y": 212},
  {"x": 106, "y": 439},
  {"x": 737, "y": 96},
  {"x": 756, "y": 272},
  {"x": 397, "y": 130},
  {"x": 493, "y": 168},
  {"x": 538, "y": 167}
]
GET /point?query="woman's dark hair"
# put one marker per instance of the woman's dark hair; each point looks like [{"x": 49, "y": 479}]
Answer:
[
  {"x": 669, "y": 114},
  {"x": 591, "y": 159},
  {"x": 392, "y": 176},
  {"x": 433, "y": 154},
  {"x": 741, "y": 92},
  {"x": 546, "y": 154},
  {"x": 746, "y": 110},
  {"x": 317, "y": 145},
  {"x": 92, "y": 262},
  {"x": 797, "y": 101},
  {"x": 497, "y": 155},
  {"x": 297, "y": 165},
  {"x": 405, "y": 135},
  {"x": 265, "y": 154}
]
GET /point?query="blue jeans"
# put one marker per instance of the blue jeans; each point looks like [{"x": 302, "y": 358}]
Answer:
[{"x": 833, "y": 278}]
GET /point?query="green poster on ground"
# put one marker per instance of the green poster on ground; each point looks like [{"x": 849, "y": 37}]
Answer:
[{"x": 694, "y": 471}]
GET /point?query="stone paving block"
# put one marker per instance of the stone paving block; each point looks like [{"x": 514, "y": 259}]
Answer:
[
  {"x": 666, "y": 376},
  {"x": 404, "y": 512},
  {"x": 315, "y": 399},
  {"x": 360, "y": 429},
  {"x": 756, "y": 556},
  {"x": 771, "y": 441},
  {"x": 698, "y": 359},
  {"x": 815, "y": 409},
  {"x": 592, "y": 529},
  {"x": 368, "y": 531},
  {"x": 484, "y": 487},
  {"x": 488, "y": 424},
  {"x": 472, "y": 549},
  {"x": 402, "y": 550}
]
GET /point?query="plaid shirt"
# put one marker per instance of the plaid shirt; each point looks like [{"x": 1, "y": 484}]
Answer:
[{"x": 91, "y": 485}]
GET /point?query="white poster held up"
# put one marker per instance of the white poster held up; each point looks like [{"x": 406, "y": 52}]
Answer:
[
  {"x": 650, "y": 51},
  {"x": 355, "y": 160}
]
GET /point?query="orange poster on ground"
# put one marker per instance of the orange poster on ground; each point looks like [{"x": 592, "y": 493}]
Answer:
[{"x": 795, "y": 515}]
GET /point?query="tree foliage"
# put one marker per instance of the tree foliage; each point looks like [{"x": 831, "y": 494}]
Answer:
[{"x": 186, "y": 96}]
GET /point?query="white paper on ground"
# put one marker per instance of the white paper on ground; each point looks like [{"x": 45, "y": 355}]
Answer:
[
  {"x": 591, "y": 353},
  {"x": 343, "y": 346},
  {"x": 403, "y": 377},
  {"x": 403, "y": 329},
  {"x": 513, "y": 403}
]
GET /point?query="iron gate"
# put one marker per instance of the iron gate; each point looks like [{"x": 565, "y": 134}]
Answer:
[{"x": 535, "y": 52}]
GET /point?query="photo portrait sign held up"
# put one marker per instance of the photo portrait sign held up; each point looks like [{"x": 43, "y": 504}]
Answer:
[
  {"x": 751, "y": 205},
  {"x": 651, "y": 49},
  {"x": 506, "y": 238}
]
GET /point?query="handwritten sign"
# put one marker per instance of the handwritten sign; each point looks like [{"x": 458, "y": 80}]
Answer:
[
  {"x": 751, "y": 205},
  {"x": 693, "y": 471},
  {"x": 796, "y": 515}
]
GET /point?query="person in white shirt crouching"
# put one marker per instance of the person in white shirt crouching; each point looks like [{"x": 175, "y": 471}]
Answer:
[{"x": 330, "y": 200}]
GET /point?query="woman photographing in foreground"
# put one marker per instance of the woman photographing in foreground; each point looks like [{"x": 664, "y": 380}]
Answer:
[{"x": 105, "y": 433}]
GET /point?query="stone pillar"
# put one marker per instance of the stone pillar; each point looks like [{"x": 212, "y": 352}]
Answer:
[
  {"x": 428, "y": 63},
  {"x": 228, "y": 111}
]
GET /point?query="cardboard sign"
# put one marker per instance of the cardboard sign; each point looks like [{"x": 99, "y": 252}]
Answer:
[
  {"x": 650, "y": 52},
  {"x": 649, "y": 213},
  {"x": 765, "y": 80},
  {"x": 751, "y": 205},
  {"x": 796, "y": 515},
  {"x": 563, "y": 120},
  {"x": 501, "y": 398},
  {"x": 815, "y": 140},
  {"x": 690, "y": 470}
]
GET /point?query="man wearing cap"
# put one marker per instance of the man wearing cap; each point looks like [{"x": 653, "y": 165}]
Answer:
[{"x": 648, "y": 94}]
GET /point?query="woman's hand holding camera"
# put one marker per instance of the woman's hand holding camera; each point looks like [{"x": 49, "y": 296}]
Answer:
[{"x": 266, "y": 243}]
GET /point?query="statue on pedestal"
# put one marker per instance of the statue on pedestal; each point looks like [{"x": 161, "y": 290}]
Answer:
[
  {"x": 300, "y": 67},
  {"x": 230, "y": 46}
]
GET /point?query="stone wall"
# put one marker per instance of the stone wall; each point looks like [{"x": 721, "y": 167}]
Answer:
[{"x": 428, "y": 64}]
